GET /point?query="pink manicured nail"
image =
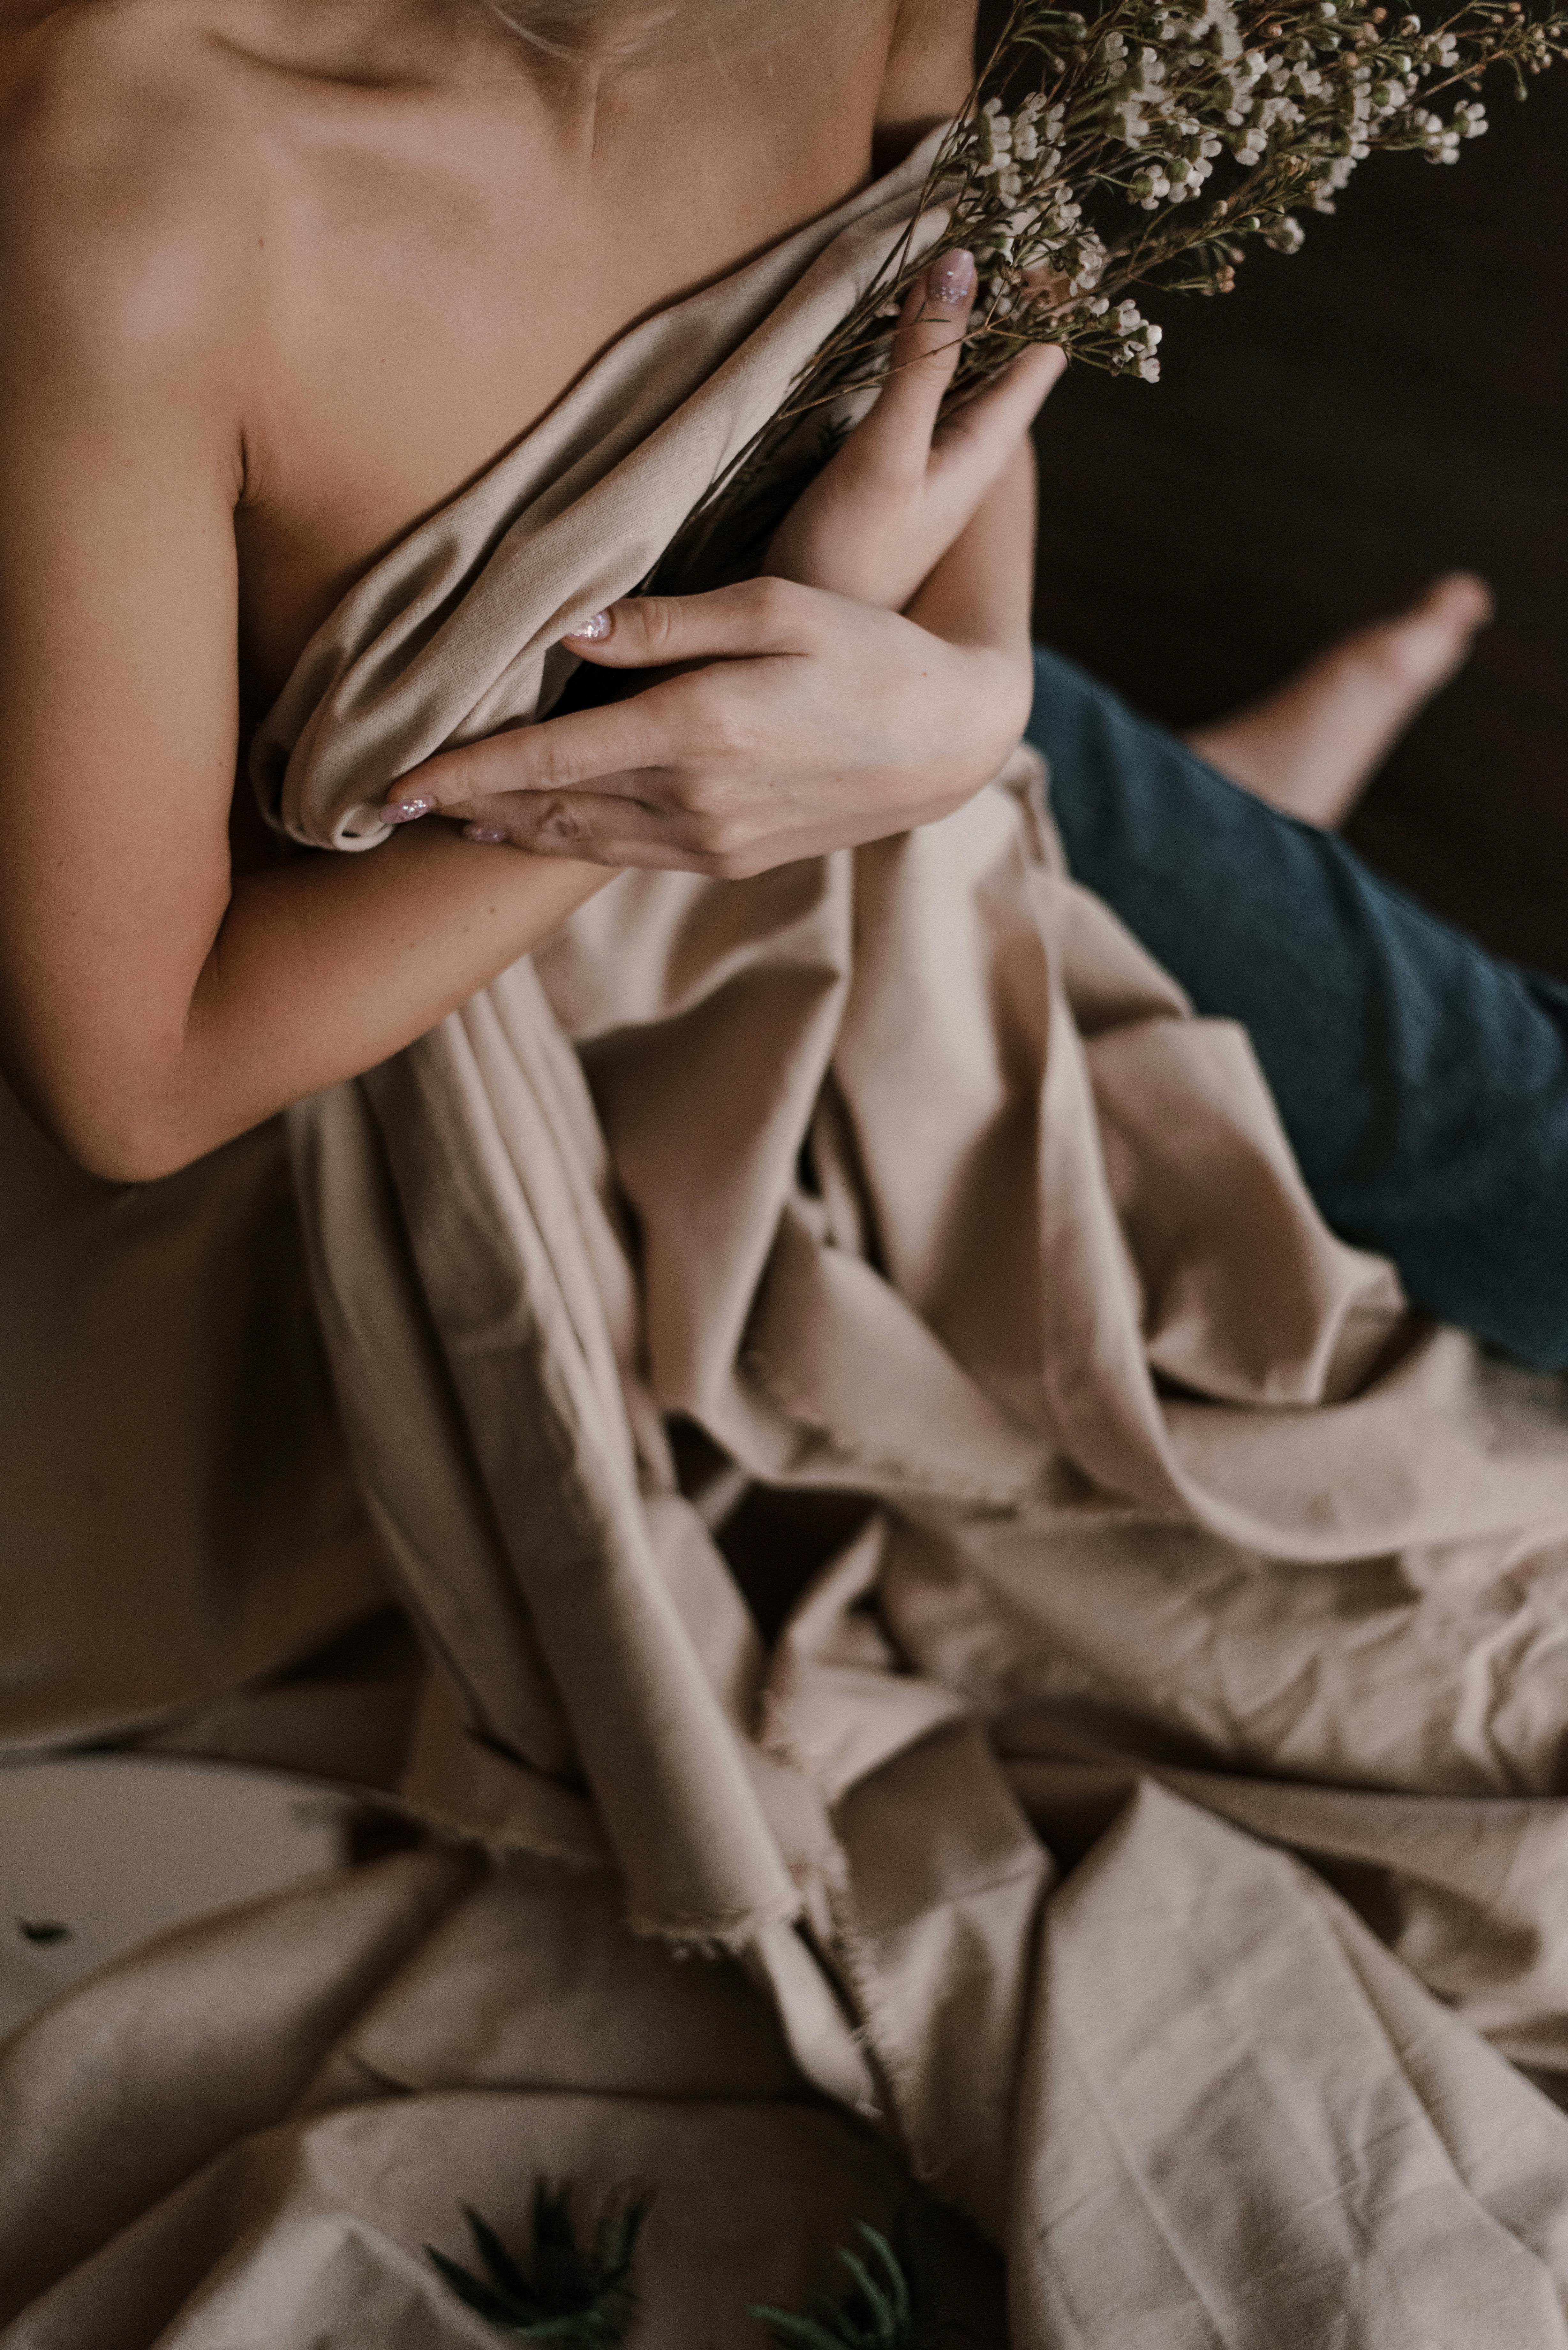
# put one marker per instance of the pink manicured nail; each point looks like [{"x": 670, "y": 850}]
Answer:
[
  {"x": 486, "y": 834},
  {"x": 405, "y": 811},
  {"x": 952, "y": 279},
  {"x": 595, "y": 627}
]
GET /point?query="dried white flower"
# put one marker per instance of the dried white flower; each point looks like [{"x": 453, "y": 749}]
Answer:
[{"x": 1149, "y": 145}]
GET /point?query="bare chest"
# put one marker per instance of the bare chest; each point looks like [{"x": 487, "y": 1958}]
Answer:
[{"x": 438, "y": 283}]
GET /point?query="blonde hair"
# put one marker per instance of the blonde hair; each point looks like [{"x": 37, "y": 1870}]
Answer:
[{"x": 630, "y": 32}]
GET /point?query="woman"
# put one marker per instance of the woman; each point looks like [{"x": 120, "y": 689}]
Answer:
[
  {"x": 184, "y": 304},
  {"x": 878, "y": 1201}
]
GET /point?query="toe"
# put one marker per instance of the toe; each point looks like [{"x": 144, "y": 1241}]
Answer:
[
  {"x": 1418, "y": 649},
  {"x": 1460, "y": 598}
]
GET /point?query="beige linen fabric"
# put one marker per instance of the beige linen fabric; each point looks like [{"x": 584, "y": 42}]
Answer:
[
  {"x": 283, "y": 2105},
  {"x": 908, "y": 1179},
  {"x": 177, "y": 1515}
]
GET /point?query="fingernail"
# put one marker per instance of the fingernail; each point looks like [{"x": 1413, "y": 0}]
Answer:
[
  {"x": 595, "y": 627},
  {"x": 486, "y": 834},
  {"x": 952, "y": 279},
  {"x": 405, "y": 811}
]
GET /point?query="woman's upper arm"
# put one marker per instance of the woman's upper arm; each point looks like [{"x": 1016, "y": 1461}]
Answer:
[
  {"x": 930, "y": 69},
  {"x": 119, "y": 463}
]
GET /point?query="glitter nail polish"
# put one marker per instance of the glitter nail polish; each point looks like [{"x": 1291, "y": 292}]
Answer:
[{"x": 953, "y": 280}]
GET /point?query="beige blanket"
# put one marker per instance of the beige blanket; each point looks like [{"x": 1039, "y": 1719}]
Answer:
[{"x": 1144, "y": 1828}]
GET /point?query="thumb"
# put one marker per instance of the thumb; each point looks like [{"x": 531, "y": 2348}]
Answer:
[{"x": 752, "y": 617}]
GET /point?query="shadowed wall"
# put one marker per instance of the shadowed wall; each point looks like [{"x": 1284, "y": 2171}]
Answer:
[{"x": 1387, "y": 403}]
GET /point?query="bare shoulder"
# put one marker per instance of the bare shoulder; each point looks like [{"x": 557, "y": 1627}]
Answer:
[{"x": 127, "y": 210}]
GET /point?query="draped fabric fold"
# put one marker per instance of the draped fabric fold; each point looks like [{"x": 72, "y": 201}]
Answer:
[{"x": 1143, "y": 1820}]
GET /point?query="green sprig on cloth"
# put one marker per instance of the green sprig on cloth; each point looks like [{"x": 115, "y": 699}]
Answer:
[
  {"x": 579, "y": 2297},
  {"x": 886, "y": 2307}
]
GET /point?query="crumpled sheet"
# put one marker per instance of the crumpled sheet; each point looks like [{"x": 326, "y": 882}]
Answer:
[{"x": 1143, "y": 1832}]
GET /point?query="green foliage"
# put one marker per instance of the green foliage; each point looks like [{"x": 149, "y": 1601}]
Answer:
[
  {"x": 579, "y": 2297},
  {"x": 886, "y": 2307}
]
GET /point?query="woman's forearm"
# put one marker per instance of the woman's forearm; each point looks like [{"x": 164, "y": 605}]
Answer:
[{"x": 326, "y": 966}]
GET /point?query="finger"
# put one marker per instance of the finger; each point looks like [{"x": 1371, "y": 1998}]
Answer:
[
  {"x": 925, "y": 354},
  {"x": 672, "y": 724},
  {"x": 994, "y": 421},
  {"x": 581, "y": 748},
  {"x": 752, "y": 617},
  {"x": 597, "y": 828}
]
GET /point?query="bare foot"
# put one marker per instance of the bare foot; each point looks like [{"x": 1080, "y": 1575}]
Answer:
[{"x": 1312, "y": 747}]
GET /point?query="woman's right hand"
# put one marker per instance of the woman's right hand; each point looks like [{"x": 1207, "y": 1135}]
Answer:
[
  {"x": 909, "y": 480},
  {"x": 799, "y": 722}
]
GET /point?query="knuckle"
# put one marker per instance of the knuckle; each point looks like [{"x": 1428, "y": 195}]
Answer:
[
  {"x": 549, "y": 774},
  {"x": 735, "y": 733},
  {"x": 724, "y": 843},
  {"x": 687, "y": 792},
  {"x": 710, "y": 833},
  {"x": 658, "y": 620},
  {"x": 721, "y": 728},
  {"x": 769, "y": 602},
  {"x": 558, "y": 824},
  {"x": 527, "y": 760}
]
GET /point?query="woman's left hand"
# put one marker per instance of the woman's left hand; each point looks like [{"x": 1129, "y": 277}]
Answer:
[
  {"x": 872, "y": 682},
  {"x": 905, "y": 485},
  {"x": 817, "y": 722}
]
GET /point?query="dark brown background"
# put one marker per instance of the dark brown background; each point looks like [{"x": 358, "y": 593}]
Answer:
[{"x": 1385, "y": 404}]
